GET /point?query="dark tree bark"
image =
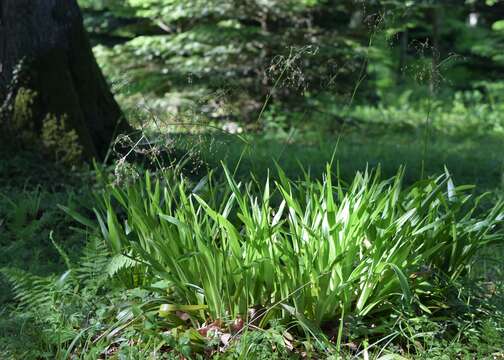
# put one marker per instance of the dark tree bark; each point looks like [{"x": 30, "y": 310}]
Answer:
[{"x": 49, "y": 35}]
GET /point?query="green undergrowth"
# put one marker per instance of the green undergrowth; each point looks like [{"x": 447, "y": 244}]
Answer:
[
  {"x": 271, "y": 267},
  {"x": 261, "y": 279},
  {"x": 31, "y": 187}
]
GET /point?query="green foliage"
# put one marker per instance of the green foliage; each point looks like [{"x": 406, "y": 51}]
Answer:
[
  {"x": 228, "y": 45},
  {"x": 27, "y": 219},
  {"x": 262, "y": 345},
  {"x": 467, "y": 114},
  {"x": 62, "y": 143},
  {"x": 324, "y": 249},
  {"x": 55, "y": 137},
  {"x": 182, "y": 55},
  {"x": 22, "y": 117},
  {"x": 176, "y": 257},
  {"x": 60, "y": 307}
]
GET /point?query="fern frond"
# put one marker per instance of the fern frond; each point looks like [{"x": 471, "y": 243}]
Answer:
[
  {"x": 92, "y": 265},
  {"x": 120, "y": 262},
  {"x": 30, "y": 290}
]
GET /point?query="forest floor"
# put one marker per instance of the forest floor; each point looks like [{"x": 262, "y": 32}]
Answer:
[{"x": 30, "y": 191}]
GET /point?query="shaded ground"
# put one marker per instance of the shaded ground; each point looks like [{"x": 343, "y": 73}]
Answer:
[{"x": 475, "y": 161}]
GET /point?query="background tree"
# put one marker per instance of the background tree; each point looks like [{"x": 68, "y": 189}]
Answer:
[
  {"x": 193, "y": 49},
  {"x": 47, "y": 65},
  {"x": 196, "y": 54}
]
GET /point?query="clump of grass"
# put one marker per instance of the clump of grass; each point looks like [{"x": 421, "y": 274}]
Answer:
[{"x": 313, "y": 251}]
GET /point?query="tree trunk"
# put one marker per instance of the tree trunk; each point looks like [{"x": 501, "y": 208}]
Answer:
[{"x": 49, "y": 35}]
